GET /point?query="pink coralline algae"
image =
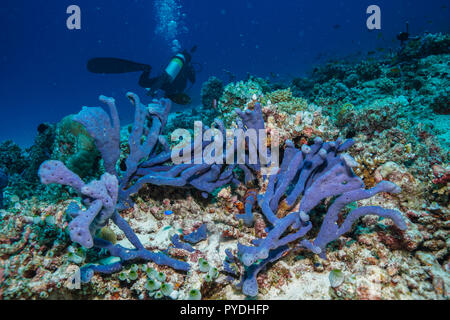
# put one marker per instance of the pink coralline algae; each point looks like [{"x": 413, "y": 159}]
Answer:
[{"x": 441, "y": 175}]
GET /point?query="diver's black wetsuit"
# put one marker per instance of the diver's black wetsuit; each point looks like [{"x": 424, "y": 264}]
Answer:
[
  {"x": 178, "y": 85},
  {"x": 172, "y": 84}
]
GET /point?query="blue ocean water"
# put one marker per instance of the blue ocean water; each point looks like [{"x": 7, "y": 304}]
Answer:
[{"x": 43, "y": 64}]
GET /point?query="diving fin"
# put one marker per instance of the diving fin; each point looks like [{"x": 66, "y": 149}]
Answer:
[{"x": 115, "y": 65}]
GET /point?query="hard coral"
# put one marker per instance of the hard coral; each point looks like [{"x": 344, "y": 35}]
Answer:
[
  {"x": 76, "y": 148},
  {"x": 211, "y": 90},
  {"x": 441, "y": 175}
]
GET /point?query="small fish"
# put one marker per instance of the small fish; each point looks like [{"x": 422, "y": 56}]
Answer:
[
  {"x": 370, "y": 53},
  {"x": 168, "y": 212},
  {"x": 395, "y": 70},
  {"x": 336, "y": 26}
]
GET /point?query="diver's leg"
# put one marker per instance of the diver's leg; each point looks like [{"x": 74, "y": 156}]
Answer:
[
  {"x": 145, "y": 81},
  {"x": 154, "y": 84}
]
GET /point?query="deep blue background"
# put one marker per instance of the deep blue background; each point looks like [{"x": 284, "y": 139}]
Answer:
[{"x": 42, "y": 63}]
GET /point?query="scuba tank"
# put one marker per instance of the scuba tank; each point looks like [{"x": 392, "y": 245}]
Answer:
[{"x": 175, "y": 65}]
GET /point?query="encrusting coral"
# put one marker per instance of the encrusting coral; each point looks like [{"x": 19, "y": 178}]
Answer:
[{"x": 76, "y": 148}]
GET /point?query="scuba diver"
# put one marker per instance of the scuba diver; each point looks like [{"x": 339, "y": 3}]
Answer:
[{"x": 173, "y": 80}]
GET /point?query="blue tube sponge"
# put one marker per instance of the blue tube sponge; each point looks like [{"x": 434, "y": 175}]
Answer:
[
  {"x": 249, "y": 203},
  {"x": 177, "y": 243},
  {"x": 104, "y": 130},
  {"x": 100, "y": 198},
  {"x": 197, "y": 235},
  {"x": 305, "y": 178}
]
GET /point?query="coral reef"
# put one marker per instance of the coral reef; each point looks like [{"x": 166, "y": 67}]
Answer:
[
  {"x": 3, "y": 183},
  {"x": 22, "y": 165},
  {"x": 237, "y": 95},
  {"x": 426, "y": 45},
  {"x": 39, "y": 152},
  {"x": 330, "y": 223},
  {"x": 12, "y": 158},
  {"x": 211, "y": 90}
]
